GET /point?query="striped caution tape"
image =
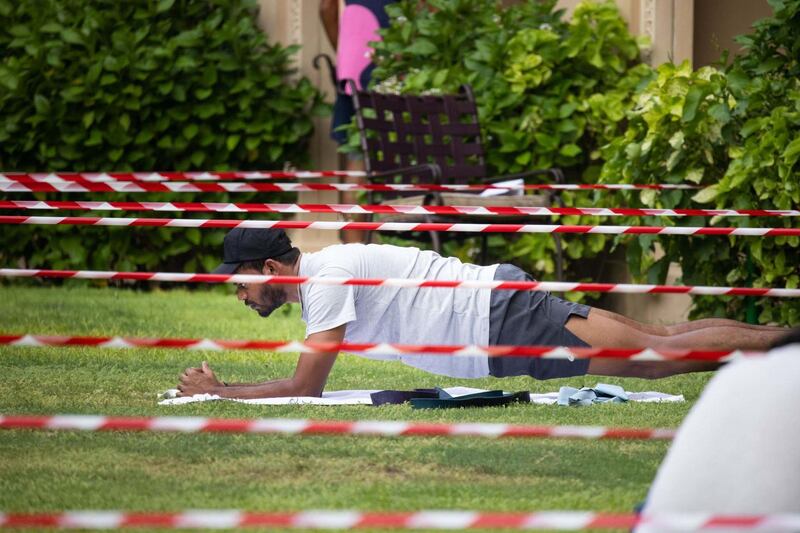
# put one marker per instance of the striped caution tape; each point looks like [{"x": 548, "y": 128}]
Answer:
[
  {"x": 285, "y": 426},
  {"x": 435, "y": 519},
  {"x": 26, "y": 185},
  {"x": 460, "y": 350},
  {"x": 380, "y": 209},
  {"x": 400, "y": 226},
  {"x": 247, "y": 175},
  {"x": 551, "y": 286}
]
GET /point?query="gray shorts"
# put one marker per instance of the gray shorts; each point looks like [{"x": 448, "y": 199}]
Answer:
[{"x": 532, "y": 318}]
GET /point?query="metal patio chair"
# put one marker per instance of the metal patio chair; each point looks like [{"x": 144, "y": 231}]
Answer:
[{"x": 402, "y": 132}]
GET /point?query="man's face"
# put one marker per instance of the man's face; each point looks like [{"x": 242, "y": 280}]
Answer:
[{"x": 262, "y": 298}]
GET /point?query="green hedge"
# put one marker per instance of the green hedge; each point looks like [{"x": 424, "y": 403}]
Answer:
[
  {"x": 101, "y": 85},
  {"x": 736, "y": 131},
  {"x": 572, "y": 93},
  {"x": 550, "y": 91}
]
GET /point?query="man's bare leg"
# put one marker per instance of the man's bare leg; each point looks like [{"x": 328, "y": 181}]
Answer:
[
  {"x": 694, "y": 325},
  {"x": 685, "y": 327},
  {"x": 603, "y": 328},
  {"x": 353, "y": 235},
  {"x": 650, "y": 329}
]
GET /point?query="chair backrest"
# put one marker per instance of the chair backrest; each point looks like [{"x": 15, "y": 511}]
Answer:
[{"x": 405, "y": 130}]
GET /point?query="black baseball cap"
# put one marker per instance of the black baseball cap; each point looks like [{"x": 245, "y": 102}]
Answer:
[{"x": 251, "y": 244}]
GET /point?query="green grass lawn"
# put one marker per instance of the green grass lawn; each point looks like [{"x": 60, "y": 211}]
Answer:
[{"x": 50, "y": 471}]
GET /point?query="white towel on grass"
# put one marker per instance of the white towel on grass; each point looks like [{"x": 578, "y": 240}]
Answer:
[
  {"x": 551, "y": 398},
  {"x": 362, "y": 397}
]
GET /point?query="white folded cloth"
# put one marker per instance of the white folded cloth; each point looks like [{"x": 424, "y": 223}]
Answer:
[{"x": 362, "y": 397}]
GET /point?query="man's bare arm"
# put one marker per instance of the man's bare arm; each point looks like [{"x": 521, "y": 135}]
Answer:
[
  {"x": 309, "y": 377},
  {"x": 329, "y": 13}
]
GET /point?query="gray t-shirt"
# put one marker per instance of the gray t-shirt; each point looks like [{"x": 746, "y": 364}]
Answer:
[{"x": 396, "y": 314}]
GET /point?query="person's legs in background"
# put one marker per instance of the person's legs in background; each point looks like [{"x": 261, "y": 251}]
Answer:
[{"x": 354, "y": 162}]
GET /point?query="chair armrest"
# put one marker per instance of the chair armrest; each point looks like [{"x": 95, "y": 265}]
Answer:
[
  {"x": 430, "y": 170},
  {"x": 557, "y": 173}
]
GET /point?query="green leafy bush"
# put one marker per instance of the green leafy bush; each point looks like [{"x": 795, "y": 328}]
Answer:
[
  {"x": 735, "y": 131},
  {"x": 550, "y": 91},
  {"x": 102, "y": 85}
]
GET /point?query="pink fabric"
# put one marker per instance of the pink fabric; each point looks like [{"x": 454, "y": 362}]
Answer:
[{"x": 357, "y": 27}]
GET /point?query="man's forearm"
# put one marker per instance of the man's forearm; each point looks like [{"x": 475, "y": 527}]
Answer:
[
  {"x": 309, "y": 376},
  {"x": 267, "y": 389}
]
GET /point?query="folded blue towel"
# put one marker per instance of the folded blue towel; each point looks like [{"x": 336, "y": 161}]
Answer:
[{"x": 600, "y": 393}]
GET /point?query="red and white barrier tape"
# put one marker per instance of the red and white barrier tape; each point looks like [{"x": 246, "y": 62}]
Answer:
[
  {"x": 107, "y": 177},
  {"x": 180, "y": 186},
  {"x": 434, "y": 519},
  {"x": 355, "y": 209},
  {"x": 286, "y": 426},
  {"x": 398, "y": 226},
  {"x": 552, "y": 286},
  {"x": 104, "y": 177},
  {"x": 460, "y": 350}
]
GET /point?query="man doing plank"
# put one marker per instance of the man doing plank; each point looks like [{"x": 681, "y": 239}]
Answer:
[{"x": 370, "y": 314}]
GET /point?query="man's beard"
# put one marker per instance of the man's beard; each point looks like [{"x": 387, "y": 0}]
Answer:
[
  {"x": 267, "y": 301},
  {"x": 265, "y": 314}
]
